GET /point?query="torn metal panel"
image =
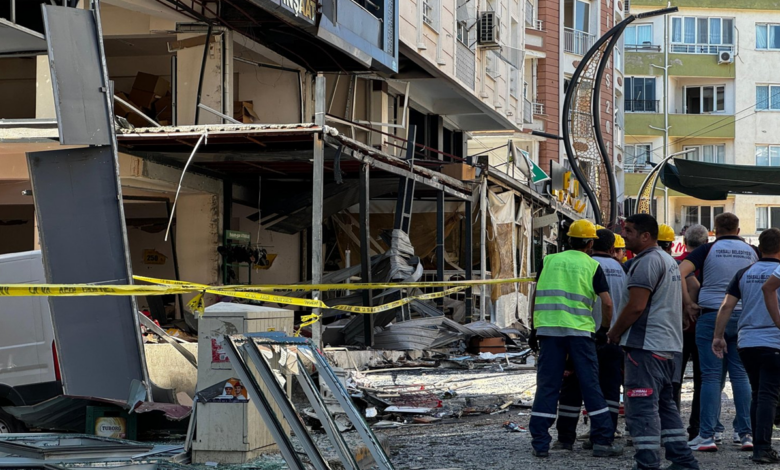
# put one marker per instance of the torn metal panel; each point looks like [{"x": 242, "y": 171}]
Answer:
[
  {"x": 62, "y": 447},
  {"x": 83, "y": 113},
  {"x": 17, "y": 40},
  {"x": 82, "y": 239}
]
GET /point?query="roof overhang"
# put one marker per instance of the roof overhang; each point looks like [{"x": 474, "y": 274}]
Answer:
[
  {"x": 444, "y": 95},
  {"x": 18, "y": 41}
]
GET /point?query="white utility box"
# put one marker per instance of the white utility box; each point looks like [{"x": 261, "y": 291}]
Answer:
[{"x": 232, "y": 432}]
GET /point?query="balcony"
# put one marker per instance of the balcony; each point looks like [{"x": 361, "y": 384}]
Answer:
[
  {"x": 709, "y": 49},
  {"x": 643, "y": 106},
  {"x": 538, "y": 109},
  {"x": 577, "y": 42},
  {"x": 647, "y": 47},
  {"x": 681, "y": 125},
  {"x": 529, "y": 13}
]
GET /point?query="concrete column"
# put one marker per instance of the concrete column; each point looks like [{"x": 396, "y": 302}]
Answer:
[
  {"x": 187, "y": 76},
  {"x": 198, "y": 219},
  {"x": 44, "y": 93}
]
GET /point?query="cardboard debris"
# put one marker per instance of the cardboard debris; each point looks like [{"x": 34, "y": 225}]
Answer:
[{"x": 244, "y": 111}]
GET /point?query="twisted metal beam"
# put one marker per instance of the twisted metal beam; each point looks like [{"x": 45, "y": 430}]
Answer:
[{"x": 581, "y": 124}]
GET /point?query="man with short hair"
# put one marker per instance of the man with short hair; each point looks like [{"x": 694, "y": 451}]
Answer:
[
  {"x": 649, "y": 327},
  {"x": 718, "y": 262},
  {"x": 609, "y": 355},
  {"x": 695, "y": 236},
  {"x": 666, "y": 238},
  {"x": 568, "y": 284},
  {"x": 759, "y": 339}
]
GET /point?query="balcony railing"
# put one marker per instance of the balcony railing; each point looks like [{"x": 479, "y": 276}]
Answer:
[
  {"x": 642, "y": 106},
  {"x": 538, "y": 25},
  {"x": 529, "y": 13},
  {"x": 712, "y": 49},
  {"x": 642, "y": 48},
  {"x": 538, "y": 109},
  {"x": 577, "y": 42},
  {"x": 528, "y": 116}
]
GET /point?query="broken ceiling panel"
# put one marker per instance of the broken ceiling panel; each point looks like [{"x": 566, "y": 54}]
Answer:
[{"x": 17, "y": 40}]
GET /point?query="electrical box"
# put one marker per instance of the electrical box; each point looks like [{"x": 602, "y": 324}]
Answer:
[{"x": 231, "y": 431}]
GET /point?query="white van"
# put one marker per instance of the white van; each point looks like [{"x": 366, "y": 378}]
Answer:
[{"x": 29, "y": 373}]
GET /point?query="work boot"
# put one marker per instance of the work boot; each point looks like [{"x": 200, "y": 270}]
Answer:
[
  {"x": 677, "y": 466},
  {"x": 542, "y": 454},
  {"x": 562, "y": 446},
  {"x": 766, "y": 456},
  {"x": 612, "y": 450},
  {"x": 587, "y": 445}
]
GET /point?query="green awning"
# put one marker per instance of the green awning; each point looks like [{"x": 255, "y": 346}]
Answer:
[{"x": 715, "y": 181}]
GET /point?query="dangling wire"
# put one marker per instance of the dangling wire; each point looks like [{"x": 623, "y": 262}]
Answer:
[{"x": 184, "y": 172}]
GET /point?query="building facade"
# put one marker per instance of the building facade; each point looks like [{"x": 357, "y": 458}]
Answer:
[{"x": 698, "y": 81}]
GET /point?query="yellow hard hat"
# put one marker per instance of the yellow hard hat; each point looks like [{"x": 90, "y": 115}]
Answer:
[
  {"x": 600, "y": 227},
  {"x": 582, "y": 229},
  {"x": 619, "y": 242},
  {"x": 625, "y": 258},
  {"x": 665, "y": 233}
]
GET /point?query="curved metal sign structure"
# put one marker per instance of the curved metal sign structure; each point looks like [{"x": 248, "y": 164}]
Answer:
[{"x": 581, "y": 124}]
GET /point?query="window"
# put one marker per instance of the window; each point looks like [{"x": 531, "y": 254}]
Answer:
[
  {"x": 637, "y": 157},
  {"x": 705, "y": 99},
  {"x": 767, "y": 97},
  {"x": 768, "y": 36},
  {"x": 637, "y": 36},
  {"x": 576, "y": 15},
  {"x": 640, "y": 95},
  {"x": 704, "y": 215},
  {"x": 431, "y": 13},
  {"x": 694, "y": 35},
  {"x": 491, "y": 65},
  {"x": 706, "y": 153},
  {"x": 768, "y": 155},
  {"x": 462, "y": 32},
  {"x": 767, "y": 217}
]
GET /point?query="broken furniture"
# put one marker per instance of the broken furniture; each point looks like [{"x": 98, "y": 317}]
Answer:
[
  {"x": 231, "y": 430},
  {"x": 275, "y": 355}
]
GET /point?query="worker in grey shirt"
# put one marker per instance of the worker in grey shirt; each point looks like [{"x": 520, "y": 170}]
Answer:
[
  {"x": 649, "y": 327},
  {"x": 718, "y": 262},
  {"x": 759, "y": 340}
]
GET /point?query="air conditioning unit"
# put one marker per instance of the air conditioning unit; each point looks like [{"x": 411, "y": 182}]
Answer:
[
  {"x": 487, "y": 29},
  {"x": 725, "y": 57}
]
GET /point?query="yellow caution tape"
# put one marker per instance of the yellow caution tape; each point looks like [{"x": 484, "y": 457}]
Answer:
[
  {"x": 70, "y": 290},
  {"x": 307, "y": 320},
  {"x": 197, "y": 306},
  {"x": 356, "y": 286}
]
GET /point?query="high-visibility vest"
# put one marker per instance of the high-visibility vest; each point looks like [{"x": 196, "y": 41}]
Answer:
[{"x": 564, "y": 293}]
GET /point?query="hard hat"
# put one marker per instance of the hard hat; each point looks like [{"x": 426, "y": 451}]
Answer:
[
  {"x": 582, "y": 229},
  {"x": 665, "y": 233},
  {"x": 619, "y": 242},
  {"x": 625, "y": 258},
  {"x": 600, "y": 227}
]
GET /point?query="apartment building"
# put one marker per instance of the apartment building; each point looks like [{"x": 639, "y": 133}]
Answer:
[
  {"x": 717, "y": 99},
  {"x": 558, "y": 34}
]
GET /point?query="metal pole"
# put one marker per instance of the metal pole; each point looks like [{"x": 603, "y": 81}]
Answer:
[
  {"x": 440, "y": 242},
  {"x": 469, "y": 262},
  {"x": 13, "y": 11},
  {"x": 483, "y": 251},
  {"x": 219, "y": 114},
  {"x": 174, "y": 90},
  {"x": 365, "y": 256},
  {"x": 202, "y": 71},
  {"x": 137, "y": 111},
  {"x": 317, "y": 200}
]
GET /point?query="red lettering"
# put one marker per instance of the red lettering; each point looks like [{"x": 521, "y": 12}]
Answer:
[{"x": 639, "y": 392}]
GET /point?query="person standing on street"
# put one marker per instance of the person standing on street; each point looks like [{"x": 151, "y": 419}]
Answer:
[
  {"x": 609, "y": 355},
  {"x": 666, "y": 238},
  {"x": 718, "y": 262},
  {"x": 649, "y": 327},
  {"x": 695, "y": 236},
  {"x": 620, "y": 249},
  {"x": 759, "y": 339},
  {"x": 568, "y": 285}
]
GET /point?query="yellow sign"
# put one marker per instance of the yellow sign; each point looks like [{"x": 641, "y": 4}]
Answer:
[
  {"x": 154, "y": 257},
  {"x": 111, "y": 427}
]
